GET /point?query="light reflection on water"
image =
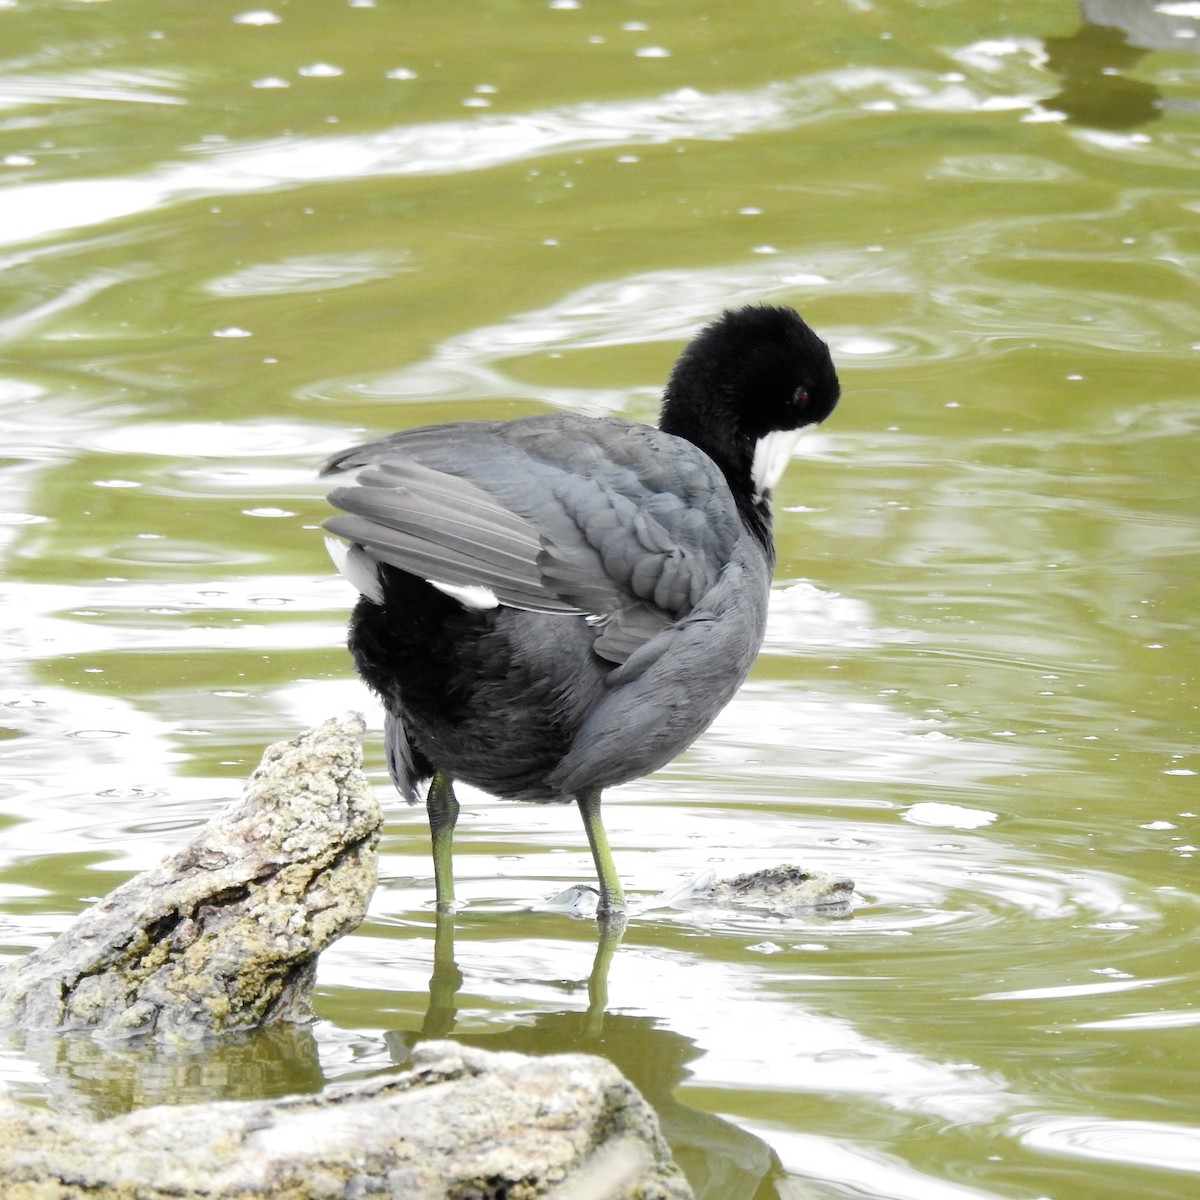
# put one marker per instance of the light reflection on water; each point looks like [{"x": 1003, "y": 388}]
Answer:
[
  {"x": 978, "y": 696},
  {"x": 486, "y": 142},
  {"x": 1173, "y": 1147}
]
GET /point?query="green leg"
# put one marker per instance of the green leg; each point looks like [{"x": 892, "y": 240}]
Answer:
[
  {"x": 612, "y": 897},
  {"x": 442, "y": 806}
]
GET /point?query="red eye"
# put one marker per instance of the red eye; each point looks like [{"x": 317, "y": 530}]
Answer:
[{"x": 800, "y": 399}]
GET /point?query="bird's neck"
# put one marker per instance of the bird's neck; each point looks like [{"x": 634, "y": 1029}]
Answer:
[{"x": 709, "y": 428}]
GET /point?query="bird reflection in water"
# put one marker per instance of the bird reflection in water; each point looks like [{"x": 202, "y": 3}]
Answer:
[{"x": 721, "y": 1160}]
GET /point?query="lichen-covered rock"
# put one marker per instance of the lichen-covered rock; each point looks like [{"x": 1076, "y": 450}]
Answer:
[
  {"x": 781, "y": 890},
  {"x": 461, "y": 1123},
  {"x": 223, "y": 934}
]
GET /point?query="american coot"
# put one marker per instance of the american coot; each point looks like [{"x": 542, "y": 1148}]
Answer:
[{"x": 555, "y": 604}]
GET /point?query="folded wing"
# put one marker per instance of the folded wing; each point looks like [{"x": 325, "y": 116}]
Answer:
[{"x": 600, "y": 518}]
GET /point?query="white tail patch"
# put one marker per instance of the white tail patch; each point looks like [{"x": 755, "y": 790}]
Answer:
[
  {"x": 357, "y": 566},
  {"x": 469, "y": 595}
]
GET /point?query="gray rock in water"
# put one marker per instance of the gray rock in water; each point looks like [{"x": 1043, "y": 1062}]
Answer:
[
  {"x": 782, "y": 890},
  {"x": 223, "y": 934},
  {"x": 460, "y": 1123}
]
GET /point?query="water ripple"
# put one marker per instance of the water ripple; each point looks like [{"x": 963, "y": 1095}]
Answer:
[
  {"x": 106, "y": 86},
  {"x": 1142, "y": 1143},
  {"x": 634, "y": 309},
  {"x": 309, "y": 273},
  {"x": 447, "y": 147},
  {"x": 1003, "y": 168}
]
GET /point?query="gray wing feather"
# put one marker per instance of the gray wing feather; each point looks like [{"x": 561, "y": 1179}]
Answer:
[
  {"x": 401, "y": 766},
  {"x": 627, "y": 630},
  {"x": 444, "y": 529},
  {"x": 556, "y": 515}
]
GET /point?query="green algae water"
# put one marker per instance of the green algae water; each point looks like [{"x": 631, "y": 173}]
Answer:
[{"x": 234, "y": 240}]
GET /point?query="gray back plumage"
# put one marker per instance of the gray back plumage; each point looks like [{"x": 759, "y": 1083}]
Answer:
[{"x": 553, "y": 514}]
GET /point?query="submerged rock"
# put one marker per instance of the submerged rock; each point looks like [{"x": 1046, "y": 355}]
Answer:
[
  {"x": 460, "y": 1122},
  {"x": 783, "y": 890},
  {"x": 223, "y": 934}
]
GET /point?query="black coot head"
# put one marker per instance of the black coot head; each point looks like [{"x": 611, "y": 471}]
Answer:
[{"x": 753, "y": 372}]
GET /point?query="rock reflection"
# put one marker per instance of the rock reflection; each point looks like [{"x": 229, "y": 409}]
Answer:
[{"x": 83, "y": 1076}]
